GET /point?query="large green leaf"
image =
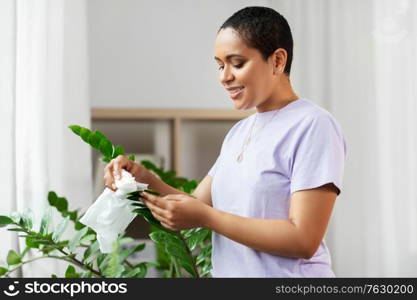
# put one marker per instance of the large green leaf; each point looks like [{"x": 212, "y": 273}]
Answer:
[
  {"x": 75, "y": 128},
  {"x": 71, "y": 273},
  {"x": 75, "y": 241},
  {"x": 94, "y": 140},
  {"x": 60, "y": 229},
  {"x": 118, "y": 150},
  {"x": 3, "y": 271},
  {"x": 4, "y": 220},
  {"x": 32, "y": 242},
  {"x": 114, "y": 269},
  {"x": 139, "y": 271},
  {"x": 46, "y": 220},
  {"x": 85, "y": 134},
  {"x": 13, "y": 258},
  {"x": 92, "y": 251},
  {"x": 106, "y": 148},
  {"x": 87, "y": 238},
  {"x": 195, "y": 239}
]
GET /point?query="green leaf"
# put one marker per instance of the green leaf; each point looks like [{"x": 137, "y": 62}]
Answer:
[
  {"x": 60, "y": 229},
  {"x": 94, "y": 140},
  {"x": 13, "y": 258},
  {"x": 138, "y": 248},
  {"x": 190, "y": 186},
  {"x": 197, "y": 238},
  {"x": 106, "y": 148},
  {"x": 132, "y": 157},
  {"x": 32, "y": 242},
  {"x": 52, "y": 198},
  {"x": 118, "y": 150},
  {"x": 46, "y": 220},
  {"x": 79, "y": 225},
  {"x": 85, "y": 134},
  {"x": 206, "y": 269},
  {"x": 75, "y": 241},
  {"x": 86, "y": 274},
  {"x": 91, "y": 251},
  {"x": 158, "y": 236},
  {"x": 16, "y": 229},
  {"x": 114, "y": 269},
  {"x": 87, "y": 238},
  {"x": 15, "y": 216},
  {"x": 139, "y": 271},
  {"x": 73, "y": 215},
  {"x": 188, "y": 267},
  {"x": 100, "y": 135},
  {"x": 4, "y": 220},
  {"x": 71, "y": 273},
  {"x": 61, "y": 204},
  {"x": 204, "y": 255},
  {"x": 3, "y": 271},
  {"x": 178, "y": 251},
  {"x": 75, "y": 128},
  {"x": 54, "y": 276}
]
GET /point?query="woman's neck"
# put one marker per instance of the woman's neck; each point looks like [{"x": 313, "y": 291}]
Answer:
[{"x": 282, "y": 96}]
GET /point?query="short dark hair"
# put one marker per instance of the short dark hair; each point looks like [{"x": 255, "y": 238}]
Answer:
[{"x": 264, "y": 29}]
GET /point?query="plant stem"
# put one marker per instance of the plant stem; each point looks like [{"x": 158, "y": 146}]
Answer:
[
  {"x": 80, "y": 264},
  {"x": 71, "y": 258},
  {"x": 39, "y": 257}
]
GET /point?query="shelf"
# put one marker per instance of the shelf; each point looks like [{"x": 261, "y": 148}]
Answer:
[{"x": 174, "y": 116}]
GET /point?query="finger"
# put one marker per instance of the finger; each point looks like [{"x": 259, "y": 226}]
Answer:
[
  {"x": 159, "y": 217},
  {"x": 109, "y": 181},
  {"x": 167, "y": 226},
  {"x": 175, "y": 197},
  {"x": 119, "y": 163},
  {"x": 154, "y": 199},
  {"x": 108, "y": 175},
  {"x": 134, "y": 169},
  {"x": 161, "y": 212}
]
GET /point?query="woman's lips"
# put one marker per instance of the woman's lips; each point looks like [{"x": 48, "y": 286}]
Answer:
[{"x": 234, "y": 93}]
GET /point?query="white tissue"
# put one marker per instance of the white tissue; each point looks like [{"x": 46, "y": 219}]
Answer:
[{"x": 112, "y": 212}]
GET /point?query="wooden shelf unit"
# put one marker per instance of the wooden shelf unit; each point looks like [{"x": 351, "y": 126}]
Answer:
[{"x": 176, "y": 118}]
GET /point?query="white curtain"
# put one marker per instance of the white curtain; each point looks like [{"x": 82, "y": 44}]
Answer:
[
  {"x": 358, "y": 59},
  {"x": 44, "y": 88}
]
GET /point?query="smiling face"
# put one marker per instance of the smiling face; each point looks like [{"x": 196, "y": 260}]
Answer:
[{"x": 247, "y": 77}]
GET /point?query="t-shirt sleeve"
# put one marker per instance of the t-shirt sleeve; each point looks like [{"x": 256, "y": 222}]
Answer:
[{"x": 319, "y": 155}]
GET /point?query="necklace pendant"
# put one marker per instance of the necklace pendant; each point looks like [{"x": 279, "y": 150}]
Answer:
[{"x": 240, "y": 157}]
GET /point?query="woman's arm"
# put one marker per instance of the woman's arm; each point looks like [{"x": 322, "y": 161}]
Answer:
[{"x": 299, "y": 236}]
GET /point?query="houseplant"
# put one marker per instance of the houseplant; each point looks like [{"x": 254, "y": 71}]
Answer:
[{"x": 184, "y": 253}]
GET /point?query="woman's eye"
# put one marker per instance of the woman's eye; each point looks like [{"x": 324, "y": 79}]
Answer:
[
  {"x": 239, "y": 65},
  {"x": 221, "y": 67}
]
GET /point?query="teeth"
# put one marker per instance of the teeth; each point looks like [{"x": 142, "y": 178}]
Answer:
[{"x": 237, "y": 90}]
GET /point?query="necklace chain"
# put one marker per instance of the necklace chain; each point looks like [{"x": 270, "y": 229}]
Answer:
[{"x": 249, "y": 137}]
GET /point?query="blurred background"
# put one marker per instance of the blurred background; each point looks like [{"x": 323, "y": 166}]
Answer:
[{"x": 143, "y": 73}]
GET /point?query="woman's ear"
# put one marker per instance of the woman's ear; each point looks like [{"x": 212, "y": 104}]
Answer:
[{"x": 279, "y": 60}]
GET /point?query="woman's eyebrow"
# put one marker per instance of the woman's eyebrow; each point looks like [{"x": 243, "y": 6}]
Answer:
[{"x": 229, "y": 56}]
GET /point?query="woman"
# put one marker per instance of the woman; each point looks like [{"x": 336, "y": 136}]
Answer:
[{"x": 269, "y": 196}]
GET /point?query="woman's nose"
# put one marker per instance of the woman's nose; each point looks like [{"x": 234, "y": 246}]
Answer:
[{"x": 226, "y": 75}]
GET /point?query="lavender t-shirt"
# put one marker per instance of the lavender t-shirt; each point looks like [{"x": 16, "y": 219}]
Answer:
[{"x": 300, "y": 146}]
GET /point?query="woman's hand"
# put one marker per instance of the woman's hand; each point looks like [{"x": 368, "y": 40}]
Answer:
[
  {"x": 113, "y": 171},
  {"x": 177, "y": 212}
]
